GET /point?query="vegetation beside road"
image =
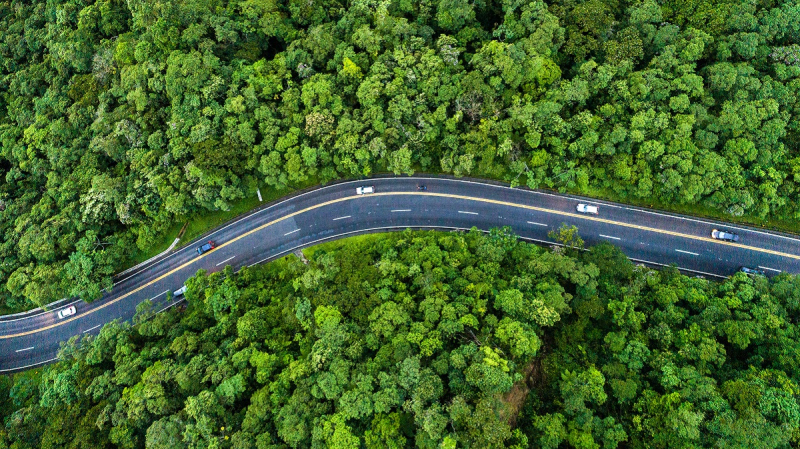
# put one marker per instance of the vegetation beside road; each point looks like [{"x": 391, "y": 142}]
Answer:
[
  {"x": 431, "y": 339},
  {"x": 119, "y": 118}
]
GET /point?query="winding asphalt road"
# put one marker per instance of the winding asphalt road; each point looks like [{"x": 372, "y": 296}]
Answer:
[{"x": 336, "y": 211}]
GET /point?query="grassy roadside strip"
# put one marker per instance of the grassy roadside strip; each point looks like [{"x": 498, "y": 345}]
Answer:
[
  {"x": 201, "y": 223},
  {"x": 312, "y": 252}
]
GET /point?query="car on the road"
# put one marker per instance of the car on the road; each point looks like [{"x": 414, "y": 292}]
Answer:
[
  {"x": 422, "y": 187},
  {"x": 752, "y": 271},
  {"x": 179, "y": 291},
  {"x": 63, "y": 313},
  {"x": 587, "y": 209},
  {"x": 724, "y": 235},
  {"x": 365, "y": 189},
  {"x": 206, "y": 247}
]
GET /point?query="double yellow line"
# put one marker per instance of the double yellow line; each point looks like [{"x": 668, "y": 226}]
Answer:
[{"x": 443, "y": 195}]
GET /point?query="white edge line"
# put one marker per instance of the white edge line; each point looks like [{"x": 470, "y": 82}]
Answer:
[
  {"x": 93, "y": 328},
  {"x": 53, "y": 310},
  {"x": 609, "y": 237},
  {"x": 44, "y": 362},
  {"x": 537, "y": 224},
  {"x": 683, "y": 269},
  {"x": 434, "y": 178},
  {"x": 172, "y": 305},
  {"x": 156, "y": 296},
  {"x": 618, "y": 206},
  {"x": 467, "y": 212},
  {"x": 341, "y": 218},
  {"x": 226, "y": 260},
  {"x": 770, "y": 269},
  {"x": 710, "y": 223},
  {"x": 291, "y": 232},
  {"x": 20, "y": 368},
  {"x": 24, "y": 349},
  {"x": 389, "y": 228},
  {"x": 687, "y": 252},
  {"x": 258, "y": 212},
  {"x": 401, "y": 210}
]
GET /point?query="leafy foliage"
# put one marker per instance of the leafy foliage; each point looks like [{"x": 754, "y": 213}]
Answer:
[
  {"x": 399, "y": 341},
  {"x": 660, "y": 360},
  {"x": 116, "y": 116},
  {"x": 421, "y": 340}
]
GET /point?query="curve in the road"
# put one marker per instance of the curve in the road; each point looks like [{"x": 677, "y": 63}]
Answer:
[
  {"x": 453, "y": 204},
  {"x": 443, "y": 195}
]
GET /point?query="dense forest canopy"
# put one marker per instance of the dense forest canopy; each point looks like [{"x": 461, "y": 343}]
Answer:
[
  {"x": 116, "y": 116},
  {"x": 431, "y": 340}
]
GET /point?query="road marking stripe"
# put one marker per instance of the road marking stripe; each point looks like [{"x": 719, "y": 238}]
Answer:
[
  {"x": 687, "y": 252},
  {"x": 341, "y": 218},
  {"x": 156, "y": 296},
  {"x": 537, "y": 224},
  {"x": 24, "y": 349},
  {"x": 710, "y": 223},
  {"x": 610, "y": 237},
  {"x": 226, "y": 260},
  {"x": 770, "y": 269},
  {"x": 91, "y": 329},
  {"x": 19, "y": 368},
  {"x": 172, "y": 305},
  {"x": 453, "y": 228},
  {"x": 291, "y": 232},
  {"x": 468, "y": 213},
  {"x": 401, "y": 210},
  {"x": 435, "y": 179},
  {"x": 44, "y": 312},
  {"x": 441, "y": 195}
]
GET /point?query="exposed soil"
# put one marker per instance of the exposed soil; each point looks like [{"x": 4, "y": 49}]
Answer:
[{"x": 514, "y": 400}]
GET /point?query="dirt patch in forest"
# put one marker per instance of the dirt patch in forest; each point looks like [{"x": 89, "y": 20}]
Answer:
[{"x": 515, "y": 398}]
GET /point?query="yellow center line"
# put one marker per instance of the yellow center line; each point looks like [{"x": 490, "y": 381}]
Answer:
[
  {"x": 612, "y": 222},
  {"x": 443, "y": 195}
]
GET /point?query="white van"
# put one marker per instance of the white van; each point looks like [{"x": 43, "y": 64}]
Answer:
[
  {"x": 587, "y": 209},
  {"x": 179, "y": 291},
  {"x": 365, "y": 189}
]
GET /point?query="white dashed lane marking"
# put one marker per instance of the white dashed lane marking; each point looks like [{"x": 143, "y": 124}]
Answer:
[
  {"x": 226, "y": 260},
  {"x": 687, "y": 252},
  {"x": 91, "y": 328}
]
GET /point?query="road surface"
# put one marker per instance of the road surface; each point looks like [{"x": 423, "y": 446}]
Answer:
[{"x": 337, "y": 211}]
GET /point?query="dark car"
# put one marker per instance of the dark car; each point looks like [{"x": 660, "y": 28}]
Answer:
[
  {"x": 752, "y": 271},
  {"x": 422, "y": 187},
  {"x": 207, "y": 247},
  {"x": 724, "y": 235}
]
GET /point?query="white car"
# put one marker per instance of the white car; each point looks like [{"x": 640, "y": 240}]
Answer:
[
  {"x": 365, "y": 189},
  {"x": 587, "y": 209},
  {"x": 63, "y": 313},
  {"x": 179, "y": 291}
]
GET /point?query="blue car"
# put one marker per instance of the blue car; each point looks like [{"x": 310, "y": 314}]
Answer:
[
  {"x": 752, "y": 271},
  {"x": 207, "y": 247}
]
